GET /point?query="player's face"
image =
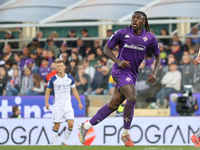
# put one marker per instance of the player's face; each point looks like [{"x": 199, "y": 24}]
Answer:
[
  {"x": 137, "y": 21},
  {"x": 60, "y": 67}
]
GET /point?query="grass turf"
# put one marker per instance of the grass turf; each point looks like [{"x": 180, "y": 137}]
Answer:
[{"x": 97, "y": 148}]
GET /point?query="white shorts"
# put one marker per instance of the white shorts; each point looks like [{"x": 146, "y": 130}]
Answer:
[{"x": 58, "y": 114}]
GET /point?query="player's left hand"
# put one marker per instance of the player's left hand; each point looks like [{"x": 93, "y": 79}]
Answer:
[
  {"x": 80, "y": 106},
  {"x": 152, "y": 78}
]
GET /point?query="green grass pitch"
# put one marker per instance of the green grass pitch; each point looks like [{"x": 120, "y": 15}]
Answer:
[{"x": 97, "y": 148}]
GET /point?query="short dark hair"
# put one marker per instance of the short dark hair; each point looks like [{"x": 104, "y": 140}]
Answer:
[
  {"x": 14, "y": 109},
  {"x": 15, "y": 63},
  {"x": 45, "y": 59},
  {"x": 8, "y": 62},
  {"x": 85, "y": 30},
  {"x": 109, "y": 30}
]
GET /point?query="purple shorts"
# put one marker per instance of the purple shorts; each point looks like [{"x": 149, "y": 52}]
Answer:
[{"x": 123, "y": 79}]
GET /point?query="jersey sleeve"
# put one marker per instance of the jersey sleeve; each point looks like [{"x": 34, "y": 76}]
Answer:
[
  {"x": 154, "y": 46},
  {"x": 50, "y": 85},
  {"x": 114, "y": 39},
  {"x": 72, "y": 85}
]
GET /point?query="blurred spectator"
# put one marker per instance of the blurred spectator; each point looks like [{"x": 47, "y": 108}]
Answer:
[
  {"x": 194, "y": 31},
  {"x": 92, "y": 58},
  {"x": 39, "y": 35},
  {"x": 99, "y": 52},
  {"x": 109, "y": 34},
  {"x": 53, "y": 71},
  {"x": 8, "y": 51},
  {"x": 63, "y": 48},
  {"x": 25, "y": 56},
  {"x": 104, "y": 60},
  {"x": 52, "y": 47},
  {"x": 176, "y": 50},
  {"x": 152, "y": 31},
  {"x": 97, "y": 79},
  {"x": 37, "y": 59},
  {"x": 149, "y": 61},
  {"x": 3, "y": 59},
  {"x": 65, "y": 58},
  {"x": 97, "y": 43},
  {"x": 27, "y": 81},
  {"x": 77, "y": 52},
  {"x": 45, "y": 69},
  {"x": 18, "y": 59},
  {"x": 38, "y": 86},
  {"x": 72, "y": 68},
  {"x": 111, "y": 84},
  {"x": 39, "y": 51},
  {"x": 33, "y": 45},
  {"x": 51, "y": 57},
  {"x": 81, "y": 80},
  {"x": 109, "y": 63},
  {"x": 30, "y": 64},
  {"x": 141, "y": 84},
  {"x": 81, "y": 47},
  {"x": 72, "y": 34},
  {"x": 192, "y": 52},
  {"x": 164, "y": 32},
  {"x": 186, "y": 55},
  {"x": 45, "y": 53},
  {"x": 90, "y": 70},
  {"x": 8, "y": 35},
  {"x": 8, "y": 66},
  {"x": 13, "y": 86},
  {"x": 187, "y": 69},
  {"x": 16, "y": 112},
  {"x": 171, "y": 59},
  {"x": 172, "y": 82},
  {"x": 14, "y": 66},
  {"x": 154, "y": 87},
  {"x": 103, "y": 86},
  {"x": 84, "y": 33},
  {"x": 4, "y": 78},
  {"x": 163, "y": 53},
  {"x": 54, "y": 35},
  {"x": 74, "y": 56},
  {"x": 187, "y": 44},
  {"x": 175, "y": 38},
  {"x": 88, "y": 49}
]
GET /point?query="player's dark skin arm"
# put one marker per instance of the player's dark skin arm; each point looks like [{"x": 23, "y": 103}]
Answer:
[
  {"x": 152, "y": 76},
  {"x": 107, "y": 51}
]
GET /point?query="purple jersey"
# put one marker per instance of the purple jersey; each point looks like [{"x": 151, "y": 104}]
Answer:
[
  {"x": 43, "y": 72},
  {"x": 132, "y": 48}
]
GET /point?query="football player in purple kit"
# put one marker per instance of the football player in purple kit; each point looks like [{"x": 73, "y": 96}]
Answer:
[{"x": 133, "y": 42}]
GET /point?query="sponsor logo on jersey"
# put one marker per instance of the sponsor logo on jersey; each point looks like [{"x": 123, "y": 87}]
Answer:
[
  {"x": 145, "y": 39},
  {"x": 135, "y": 46},
  {"x": 128, "y": 79},
  {"x": 126, "y": 36}
]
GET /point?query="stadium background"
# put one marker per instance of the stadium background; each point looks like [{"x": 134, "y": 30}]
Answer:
[{"x": 23, "y": 19}]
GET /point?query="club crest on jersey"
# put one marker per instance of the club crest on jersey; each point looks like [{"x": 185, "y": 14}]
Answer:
[
  {"x": 128, "y": 79},
  {"x": 126, "y": 36},
  {"x": 145, "y": 39}
]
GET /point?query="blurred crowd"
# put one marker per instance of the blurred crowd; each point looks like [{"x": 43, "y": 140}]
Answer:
[{"x": 27, "y": 72}]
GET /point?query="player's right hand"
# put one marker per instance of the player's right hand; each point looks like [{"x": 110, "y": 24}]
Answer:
[
  {"x": 124, "y": 64},
  {"x": 47, "y": 106},
  {"x": 196, "y": 61}
]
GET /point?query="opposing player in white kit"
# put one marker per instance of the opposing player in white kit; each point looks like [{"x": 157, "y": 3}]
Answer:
[{"x": 62, "y": 84}]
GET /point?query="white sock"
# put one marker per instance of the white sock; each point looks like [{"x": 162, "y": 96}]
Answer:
[
  {"x": 198, "y": 133},
  {"x": 126, "y": 131},
  {"x": 54, "y": 137},
  {"x": 67, "y": 134},
  {"x": 87, "y": 125}
]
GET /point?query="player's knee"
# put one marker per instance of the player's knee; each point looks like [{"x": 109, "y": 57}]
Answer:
[
  {"x": 132, "y": 98},
  {"x": 71, "y": 125}
]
